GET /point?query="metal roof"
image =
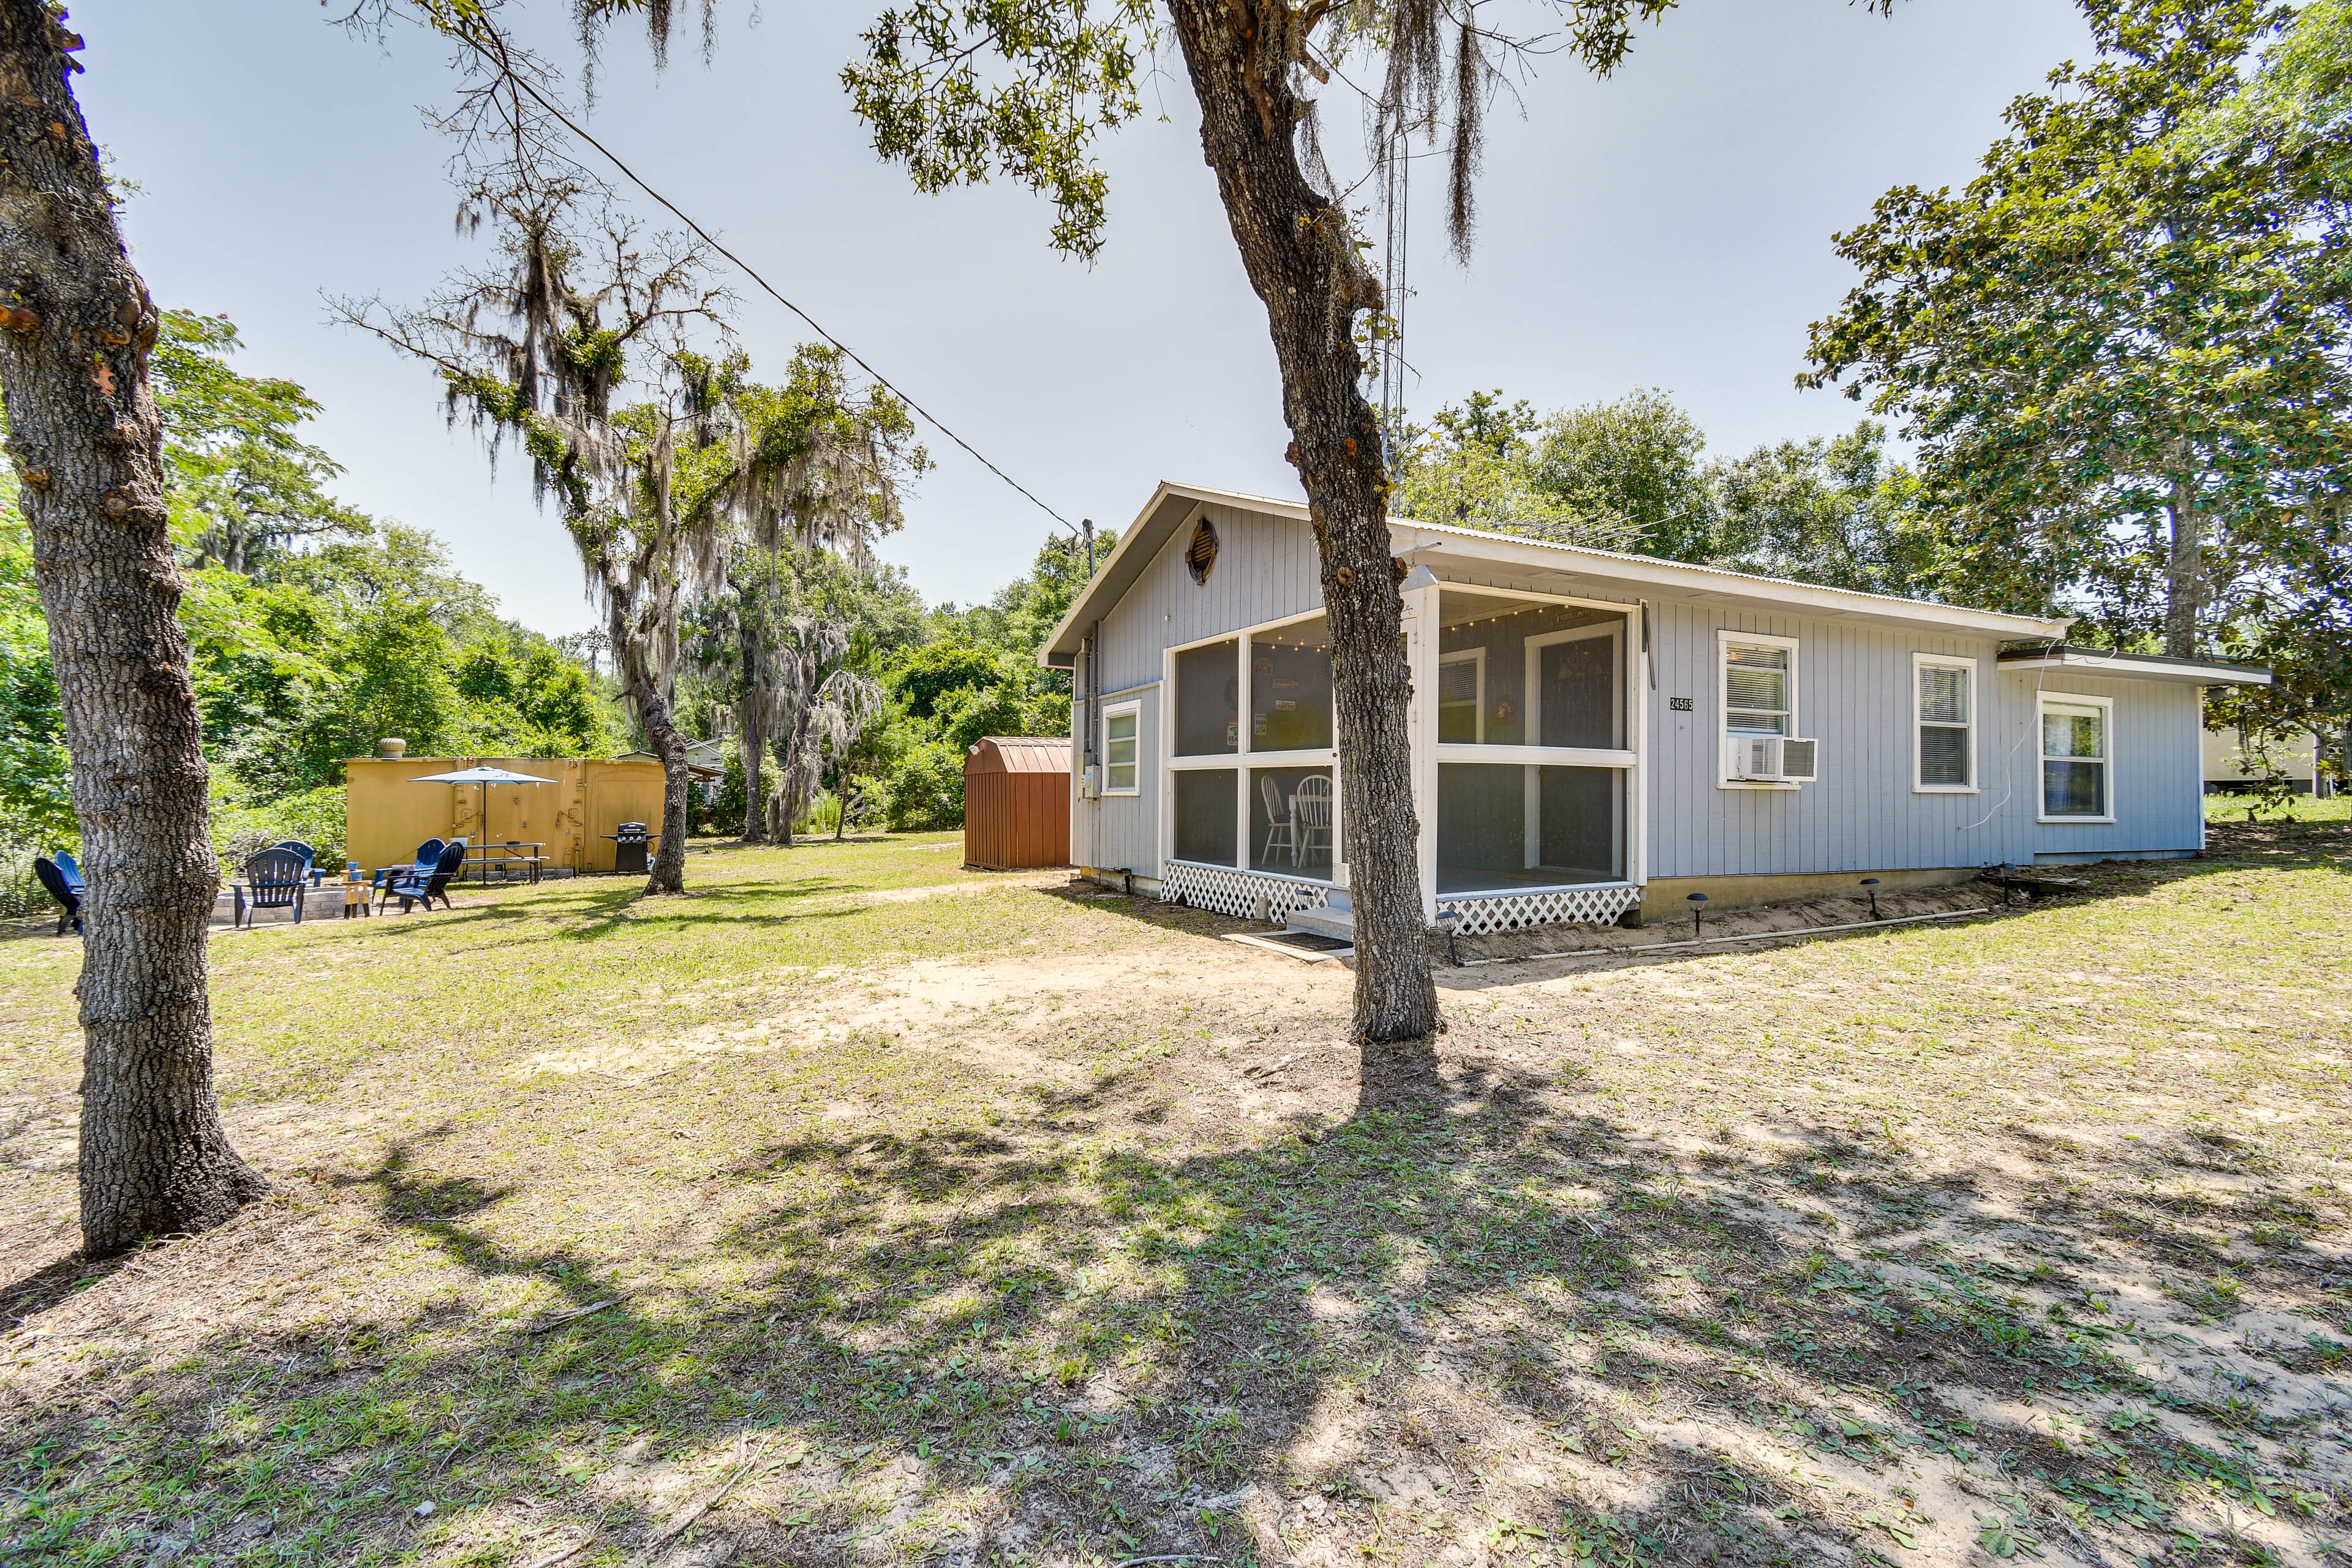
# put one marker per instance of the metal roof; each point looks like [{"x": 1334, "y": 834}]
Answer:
[
  {"x": 2135, "y": 666},
  {"x": 1438, "y": 545},
  {"x": 1019, "y": 755}
]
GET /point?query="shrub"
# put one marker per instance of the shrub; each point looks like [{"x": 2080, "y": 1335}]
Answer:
[
  {"x": 927, "y": 791},
  {"x": 243, "y": 827}
]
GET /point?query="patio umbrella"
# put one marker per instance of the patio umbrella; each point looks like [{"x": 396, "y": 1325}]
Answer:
[{"x": 484, "y": 777}]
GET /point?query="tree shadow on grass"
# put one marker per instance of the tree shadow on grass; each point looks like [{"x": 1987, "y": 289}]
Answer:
[{"x": 1500, "y": 1322}]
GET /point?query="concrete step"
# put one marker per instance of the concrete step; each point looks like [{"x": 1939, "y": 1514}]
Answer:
[{"x": 1338, "y": 922}]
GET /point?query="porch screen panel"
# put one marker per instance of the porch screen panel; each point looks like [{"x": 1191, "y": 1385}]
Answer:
[
  {"x": 1578, "y": 693},
  {"x": 1481, "y": 826},
  {"x": 1293, "y": 823},
  {"x": 1581, "y": 812},
  {"x": 1506, "y": 826},
  {"x": 1208, "y": 700},
  {"x": 1290, "y": 688},
  {"x": 1484, "y": 643},
  {"x": 1205, "y": 823}
]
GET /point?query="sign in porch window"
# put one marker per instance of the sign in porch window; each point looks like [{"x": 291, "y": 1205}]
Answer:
[
  {"x": 2074, "y": 780},
  {"x": 1120, "y": 740},
  {"x": 1946, "y": 720}
]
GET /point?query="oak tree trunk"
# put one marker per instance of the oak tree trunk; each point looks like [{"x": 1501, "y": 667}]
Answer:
[
  {"x": 668, "y": 872},
  {"x": 86, "y": 441},
  {"x": 2184, "y": 576},
  {"x": 755, "y": 726},
  {"x": 1301, "y": 258}
]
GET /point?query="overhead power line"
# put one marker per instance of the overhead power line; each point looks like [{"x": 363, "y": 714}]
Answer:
[{"x": 520, "y": 81}]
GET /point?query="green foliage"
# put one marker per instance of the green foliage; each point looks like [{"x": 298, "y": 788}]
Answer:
[
  {"x": 2126, "y": 349},
  {"x": 2123, "y": 348},
  {"x": 33, "y": 805},
  {"x": 1633, "y": 464},
  {"x": 324, "y": 644},
  {"x": 927, "y": 788},
  {"x": 1633, "y": 474},
  {"x": 961, "y": 93},
  {"x": 244, "y": 488},
  {"x": 925, "y": 675}
]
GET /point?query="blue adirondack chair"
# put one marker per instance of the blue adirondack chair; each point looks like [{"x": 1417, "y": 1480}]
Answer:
[
  {"x": 428, "y": 859},
  {"x": 428, "y": 881},
  {"x": 67, "y": 892},
  {"x": 273, "y": 879},
  {"x": 309, "y": 855},
  {"x": 73, "y": 872}
]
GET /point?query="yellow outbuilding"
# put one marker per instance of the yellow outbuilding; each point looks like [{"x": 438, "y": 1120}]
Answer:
[{"x": 387, "y": 816}]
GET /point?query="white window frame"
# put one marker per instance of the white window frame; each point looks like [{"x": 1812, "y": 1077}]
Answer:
[
  {"x": 1725, "y": 639},
  {"x": 2106, "y": 758},
  {"x": 1475, "y": 655},
  {"x": 1242, "y": 759},
  {"x": 1117, "y": 710},
  {"x": 1920, "y": 661}
]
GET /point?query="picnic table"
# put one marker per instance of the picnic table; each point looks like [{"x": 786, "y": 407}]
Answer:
[{"x": 511, "y": 857}]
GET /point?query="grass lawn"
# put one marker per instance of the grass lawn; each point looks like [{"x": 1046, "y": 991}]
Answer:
[{"x": 859, "y": 1209}]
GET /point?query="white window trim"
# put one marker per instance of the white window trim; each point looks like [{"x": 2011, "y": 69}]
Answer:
[
  {"x": 1534, "y": 688},
  {"x": 2107, "y": 756},
  {"x": 1723, "y": 638},
  {"x": 1920, "y": 661},
  {"x": 1476, "y": 655},
  {"x": 1114, "y": 711}
]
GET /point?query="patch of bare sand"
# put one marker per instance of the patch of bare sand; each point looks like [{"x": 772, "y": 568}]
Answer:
[{"x": 991, "y": 1011}]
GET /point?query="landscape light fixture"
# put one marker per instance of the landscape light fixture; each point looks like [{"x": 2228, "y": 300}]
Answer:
[
  {"x": 1698, "y": 905},
  {"x": 1872, "y": 884},
  {"x": 1451, "y": 921}
]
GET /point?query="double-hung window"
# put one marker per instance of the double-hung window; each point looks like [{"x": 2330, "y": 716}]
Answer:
[
  {"x": 1121, "y": 742},
  {"x": 1760, "y": 698},
  {"x": 1461, "y": 698},
  {"x": 2077, "y": 748},
  {"x": 1944, "y": 745},
  {"x": 1759, "y": 686}
]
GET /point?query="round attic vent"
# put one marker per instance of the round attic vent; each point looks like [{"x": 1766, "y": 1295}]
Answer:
[{"x": 1202, "y": 553}]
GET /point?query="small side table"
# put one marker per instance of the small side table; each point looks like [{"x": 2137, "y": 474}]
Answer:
[{"x": 355, "y": 898}]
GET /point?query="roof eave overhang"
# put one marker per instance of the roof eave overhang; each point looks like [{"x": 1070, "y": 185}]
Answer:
[
  {"x": 1172, "y": 505},
  {"x": 1436, "y": 544},
  {"x": 2139, "y": 667}
]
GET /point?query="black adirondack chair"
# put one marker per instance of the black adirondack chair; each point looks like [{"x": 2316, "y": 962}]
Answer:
[
  {"x": 68, "y": 894},
  {"x": 273, "y": 879},
  {"x": 418, "y": 882}
]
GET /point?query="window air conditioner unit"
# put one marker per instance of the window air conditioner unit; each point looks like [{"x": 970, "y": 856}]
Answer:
[{"x": 1774, "y": 759}]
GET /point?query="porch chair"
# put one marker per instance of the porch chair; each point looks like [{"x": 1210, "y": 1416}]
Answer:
[
  {"x": 433, "y": 884},
  {"x": 1284, "y": 832},
  {"x": 68, "y": 893},
  {"x": 273, "y": 879},
  {"x": 1313, "y": 806},
  {"x": 72, "y": 871}
]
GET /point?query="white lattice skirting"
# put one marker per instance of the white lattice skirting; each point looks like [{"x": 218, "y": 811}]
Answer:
[
  {"x": 1239, "y": 893},
  {"x": 1563, "y": 906}
]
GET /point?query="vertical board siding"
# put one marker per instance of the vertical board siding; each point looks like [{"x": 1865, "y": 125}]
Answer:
[
  {"x": 1266, "y": 570},
  {"x": 1853, "y": 696},
  {"x": 1124, "y": 829}
]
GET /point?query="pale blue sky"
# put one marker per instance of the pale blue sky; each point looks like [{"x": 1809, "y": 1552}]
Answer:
[{"x": 1670, "y": 227}]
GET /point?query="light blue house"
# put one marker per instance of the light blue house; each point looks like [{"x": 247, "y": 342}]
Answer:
[{"x": 1595, "y": 734}]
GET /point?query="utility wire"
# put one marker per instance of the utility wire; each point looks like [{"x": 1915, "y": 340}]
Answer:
[{"x": 519, "y": 80}]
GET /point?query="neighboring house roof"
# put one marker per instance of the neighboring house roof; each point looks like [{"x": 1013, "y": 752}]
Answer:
[
  {"x": 2135, "y": 666},
  {"x": 1020, "y": 754},
  {"x": 1434, "y": 543}
]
